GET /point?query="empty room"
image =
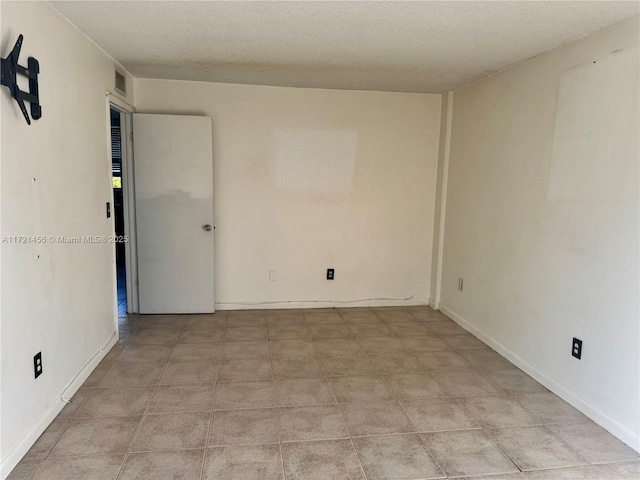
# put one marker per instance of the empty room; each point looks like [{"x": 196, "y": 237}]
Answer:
[{"x": 320, "y": 240}]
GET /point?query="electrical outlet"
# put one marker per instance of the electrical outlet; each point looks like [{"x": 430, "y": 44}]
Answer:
[
  {"x": 37, "y": 364},
  {"x": 330, "y": 273},
  {"x": 576, "y": 348},
  {"x": 460, "y": 282},
  {"x": 272, "y": 275}
]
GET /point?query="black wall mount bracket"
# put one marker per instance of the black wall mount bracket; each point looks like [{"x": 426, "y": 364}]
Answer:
[{"x": 10, "y": 70}]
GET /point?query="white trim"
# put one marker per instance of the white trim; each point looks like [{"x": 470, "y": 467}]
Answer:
[
  {"x": 614, "y": 427},
  {"x": 128, "y": 189},
  {"x": 119, "y": 103},
  {"x": 21, "y": 448},
  {"x": 443, "y": 200},
  {"x": 366, "y": 302}
]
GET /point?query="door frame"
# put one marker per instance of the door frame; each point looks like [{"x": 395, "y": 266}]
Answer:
[{"x": 128, "y": 198}]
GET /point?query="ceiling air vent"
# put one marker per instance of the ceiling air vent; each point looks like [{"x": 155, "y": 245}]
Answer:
[{"x": 121, "y": 83}]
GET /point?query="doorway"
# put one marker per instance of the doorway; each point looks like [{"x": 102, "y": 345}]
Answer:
[
  {"x": 118, "y": 209},
  {"x": 123, "y": 210}
]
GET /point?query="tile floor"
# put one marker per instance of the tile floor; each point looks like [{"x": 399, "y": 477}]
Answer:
[{"x": 401, "y": 393}]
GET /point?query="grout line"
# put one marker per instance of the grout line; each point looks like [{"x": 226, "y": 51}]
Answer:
[
  {"x": 213, "y": 396},
  {"x": 155, "y": 389},
  {"x": 353, "y": 445}
]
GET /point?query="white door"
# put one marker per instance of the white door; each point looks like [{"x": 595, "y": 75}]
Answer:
[{"x": 173, "y": 164}]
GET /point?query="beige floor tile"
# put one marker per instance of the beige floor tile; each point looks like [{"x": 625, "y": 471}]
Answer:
[
  {"x": 363, "y": 330},
  {"x": 533, "y": 448},
  {"x": 97, "y": 375},
  {"x": 325, "y": 460},
  {"x": 256, "y": 348},
  {"x": 447, "y": 328},
  {"x": 169, "y": 322},
  {"x": 359, "y": 389},
  {"x": 94, "y": 467},
  {"x": 182, "y": 398},
  {"x": 231, "y": 395},
  {"x": 429, "y": 316},
  {"x": 154, "y": 337},
  {"x": 496, "y": 411},
  {"x": 396, "y": 363},
  {"x": 94, "y": 436},
  {"x": 486, "y": 360},
  {"x": 48, "y": 439},
  {"x": 239, "y": 369},
  {"x": 375, "y": 418},
  {"x": 353, "y": 310},
  {"x": 622, "y": 471},
  {"x": 467, "y": 452},
  {"x": 464, "y": 342},
  {"x": 252, "y": 462},
  {"x": 409, "y": 329},
  {"x": 172, "y": 431},
  {"x": 594, "y": 443},
  {"x": 381, "y": 345},
  {"x": 414, "y": 385},
  {"x": 297, "y": 367},
  {"x": 337, "y": 347},
  {"x": 124, "y": 374},
  {"x": 323, "y": 318},
  {"x": 208, "y": 334},
  {"x": 590, "y": 472},
  {"x": 288, "y": 332},
  {"x": 246, "y": 311},
  {"x": 117, "y": 401},
  {"x": 145, "y": 353},
  {"x": 184, "y": 464},
  {"x": 330, "y": 331},
  {"x": 465, "y": 383},
  {"x": 195, "y": 352},
  {"x": 247, "y": 320},
  {"x": 549, "y": 408},
  {"x": 189, "y": 372},
  {"x": 243, "y": 427},
  {"x": 206, "y": 321},
  {"x": 396, "y": 456},
  {"x": 238, "y": 334},
  {"x": 497, "y": 476},
  {"x": 25, "y": 469},
  {"x": 76, "y": 403},
  {"x": 292, "y": 348},
  {"x": 360, "y": 317},
  {"x": 318, "y": 422},
  {"x": 303, "y": 391},
  {"x": 394, "y": 315},
  {"x": 425, "y": 343},
  {"x": 437, "y": 414},
  {"x": 514, "y": 381},
  {"x": 443, "y": 361},
  {"x": 285, "y": 319},
  {"x": 348, "y": 365}
]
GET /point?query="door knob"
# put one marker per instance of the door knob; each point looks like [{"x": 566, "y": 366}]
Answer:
[{"x": 206, "y": 228}]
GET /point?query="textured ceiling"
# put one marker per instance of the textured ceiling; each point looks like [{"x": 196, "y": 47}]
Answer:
[{"x": 398, "y": 46}]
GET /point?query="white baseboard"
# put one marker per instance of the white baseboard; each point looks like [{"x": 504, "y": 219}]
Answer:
[
  {"x": 14, "y": 456},
  {"x": 614, "y": 427},
  {"x": 368, "y": 302}
]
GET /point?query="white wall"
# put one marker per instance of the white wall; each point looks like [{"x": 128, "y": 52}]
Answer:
[
  {"x": 310, "y": 179},
  {"x": 542, "y": 221},
  {"x": 57, "y": 299}
]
